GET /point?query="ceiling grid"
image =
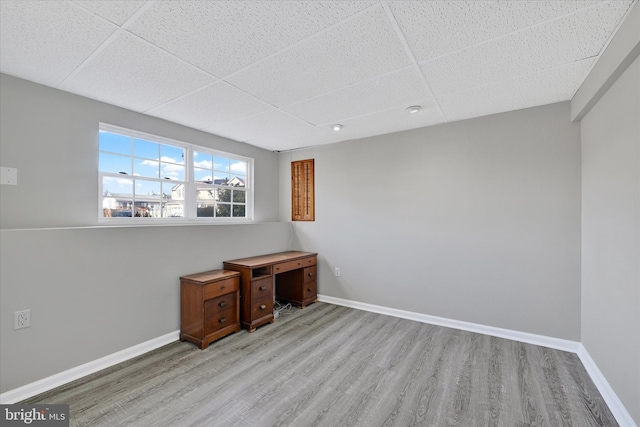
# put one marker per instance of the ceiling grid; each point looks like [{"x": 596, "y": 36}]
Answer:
[{"x": 279, "y": 74}]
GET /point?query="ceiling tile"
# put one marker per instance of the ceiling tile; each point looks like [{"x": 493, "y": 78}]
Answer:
[
  {"x": 116, "y": 11},
  {"x": 131, "y": 73},
  {"x": 218, "y": 103},
  {"x": 224, "y": 36},
  {"x": 567, "y": 39},
  {"x": 434, "y": 28},
  {"x": 393, "y": 120},
  {"x": 543, "y": 87},
  {"x": 360, "y": 48},
  {"x": 403, "y": 87},
  {"x": 45, "y": 41},
  {"x": 265, "y": 125},
  {"x": 298, "y": 138}
]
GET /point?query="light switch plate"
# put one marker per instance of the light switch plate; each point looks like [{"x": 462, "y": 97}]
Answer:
[{"x": 8, "y": 176}]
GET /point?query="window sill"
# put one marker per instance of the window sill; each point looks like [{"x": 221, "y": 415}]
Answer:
[
  {"x": 134, "y": 224},
  {"x": 150, "y": 222}
]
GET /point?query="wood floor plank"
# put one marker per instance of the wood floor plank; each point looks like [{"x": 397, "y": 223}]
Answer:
[{"x": 328, "y": 365}]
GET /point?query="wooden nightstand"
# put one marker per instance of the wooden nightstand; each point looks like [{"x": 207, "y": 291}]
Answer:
[{"x": 209, "y": 306}]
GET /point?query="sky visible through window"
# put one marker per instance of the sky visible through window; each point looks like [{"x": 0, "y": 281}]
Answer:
[{"x": 139, "y": 158}]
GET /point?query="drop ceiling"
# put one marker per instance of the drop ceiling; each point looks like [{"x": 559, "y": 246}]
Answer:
[{"x": 279, "y": 74}]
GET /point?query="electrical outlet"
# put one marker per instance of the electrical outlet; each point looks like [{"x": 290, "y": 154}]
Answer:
[
  {"x": 8, "y": 176},
  {"x": 21, "y": 319},
  {"x": 337, "y": 271}
]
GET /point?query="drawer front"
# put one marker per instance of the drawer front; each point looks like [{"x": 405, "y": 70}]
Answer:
[
  {"x": 287, "y": 266},
  {"x": 222, "y": 287},
  {"x": 222, "y": 303},
  {"x": 262, "y": 288},
  {"x": 217, "y": 320},
  {"x": 312, "y": 260},
  {"x": 261, "y": 308},
  {"x": 310, "y": 290},
  {"x": 310, "y": 274}
]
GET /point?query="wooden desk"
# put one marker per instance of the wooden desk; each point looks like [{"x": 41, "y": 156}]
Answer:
[{"x": 295, "y": 282}]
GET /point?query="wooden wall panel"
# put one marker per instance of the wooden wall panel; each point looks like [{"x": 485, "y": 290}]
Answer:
[{"x": 302, "y": 190}]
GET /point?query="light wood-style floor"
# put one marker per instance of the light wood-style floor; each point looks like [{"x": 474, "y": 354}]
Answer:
[{"x": 333, "y": 366}]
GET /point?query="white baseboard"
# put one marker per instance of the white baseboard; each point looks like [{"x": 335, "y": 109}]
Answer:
[
  {"x": 541, "y": 340},
  {"x": 49, "y": 383},
  {"x": 615, "y": 405}
]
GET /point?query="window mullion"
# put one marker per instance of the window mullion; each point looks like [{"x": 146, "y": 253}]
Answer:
[
  {"x": 189, "y": 193},
  {"x": 132, "y": 177}
]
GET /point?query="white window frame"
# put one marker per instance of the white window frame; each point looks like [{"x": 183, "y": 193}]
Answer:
[{"x": 190, "y": 200}]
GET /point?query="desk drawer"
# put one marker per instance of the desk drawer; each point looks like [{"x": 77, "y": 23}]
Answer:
[
  {"x": 262, "y": 288},
  {"x": 222, "y": 303},
  {"x": 310, "y": 291},
  {"x": 221, "y": 287},
  {"x": 310, "y": 274},
  {"x": 312, "y": 260},
  {"x": 287, "y": 266},
  {"x": 261, "y": 307},
  {"x": 217, "y": 320}
]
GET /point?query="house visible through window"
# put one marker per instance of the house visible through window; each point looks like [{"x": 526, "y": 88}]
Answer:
[{"x": 145, "y": 176}]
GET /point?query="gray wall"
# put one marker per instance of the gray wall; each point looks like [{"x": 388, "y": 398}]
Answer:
[
  {"x": 51, "y": 137},
  {"x": 611, "y": 236},
  {"x": 477, "y": 220},
  {"x": 94, "y": 291}
]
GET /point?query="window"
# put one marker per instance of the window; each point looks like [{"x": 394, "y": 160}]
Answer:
[{"x": 149, "y": 178}]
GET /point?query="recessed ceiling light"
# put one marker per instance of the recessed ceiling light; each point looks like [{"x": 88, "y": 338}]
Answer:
[
  {"x": 336, "y": 127},
  {"x": 413, "y": 109}
]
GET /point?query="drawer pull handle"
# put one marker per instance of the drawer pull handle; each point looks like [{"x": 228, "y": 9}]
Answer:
[
  {"x": 222, "y": 287},
  {"x": 308, "y": 289},
  {"x": 262, "y": 307},
  {"x": 224, "y": 319},
  {"x": 263, "y": 288},
  {"x": 222, "y": 304},
  {"x": 310, "y": 274}
]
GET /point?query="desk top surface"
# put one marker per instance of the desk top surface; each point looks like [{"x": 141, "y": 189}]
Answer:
[
  {"x": 209, "y": 276},
  {"x": 262, "y": 260}
]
